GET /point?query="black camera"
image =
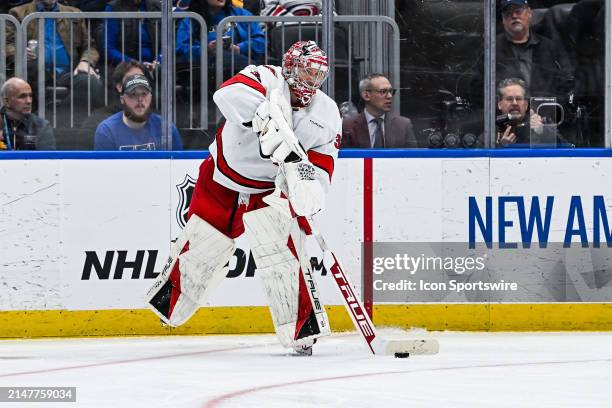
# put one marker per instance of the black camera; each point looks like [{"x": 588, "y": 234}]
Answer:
[
  {"x": 452, "y": 130},
  {"x": 503, "y": 121}
]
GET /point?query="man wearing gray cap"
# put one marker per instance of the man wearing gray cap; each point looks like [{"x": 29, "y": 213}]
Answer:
[
  {"x": 521, "y": 53},
  {"x": 136, "y": 127}
]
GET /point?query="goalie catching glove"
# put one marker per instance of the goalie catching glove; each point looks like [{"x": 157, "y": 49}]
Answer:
[
  {"x": 305, "y": 192},
  {"x": 276, "y": 138}
]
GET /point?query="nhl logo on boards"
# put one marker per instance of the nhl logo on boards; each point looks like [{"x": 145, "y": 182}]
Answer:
[{"x": 185, "y": 190}]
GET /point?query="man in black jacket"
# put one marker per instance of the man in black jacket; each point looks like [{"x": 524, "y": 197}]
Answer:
[
  {"x": 22, "y": 130},
  {"x": 513, "y": 101},
  {"x": 542, "y": 64}
]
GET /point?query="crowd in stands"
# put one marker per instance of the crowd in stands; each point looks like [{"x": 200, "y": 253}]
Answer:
[
  {"x": 239, "y": 40},
  {"x": 70, "y": 58},
  {"x": 80, "y": 54},
  {"x": 87, "y": 63},
  {"x": 135, "y": 40}
]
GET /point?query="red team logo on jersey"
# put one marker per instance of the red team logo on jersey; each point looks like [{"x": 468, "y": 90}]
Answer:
[{"x": 338, "y": 141}]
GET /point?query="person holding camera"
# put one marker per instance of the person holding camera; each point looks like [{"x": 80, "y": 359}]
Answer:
[
  {"x": 376, "y": 125},
  {"x": 21, "y": 129},
  {"x": 514, "y": 126}
]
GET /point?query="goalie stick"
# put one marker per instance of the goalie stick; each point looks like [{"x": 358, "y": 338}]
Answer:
[
  {"x": 354, "y": 307},
  {"x": 361, "y": 320},
  {"x": 356, "y": 310}
]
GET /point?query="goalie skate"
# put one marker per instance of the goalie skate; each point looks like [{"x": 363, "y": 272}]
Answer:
[{"x": 304, "y": 349}]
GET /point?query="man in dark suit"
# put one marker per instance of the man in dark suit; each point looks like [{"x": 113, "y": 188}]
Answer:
[{"x": 376, "y": 125}]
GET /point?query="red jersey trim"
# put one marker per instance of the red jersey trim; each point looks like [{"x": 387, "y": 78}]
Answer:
[
  {"x": 271, "y": 70},
  {"x": 232, "y": 174},
  {"x": 245, "y": 80},
  {"x": 322, "y": 161}
]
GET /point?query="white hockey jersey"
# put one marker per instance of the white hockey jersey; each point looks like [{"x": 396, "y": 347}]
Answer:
[{"x": 238, "y": 163}]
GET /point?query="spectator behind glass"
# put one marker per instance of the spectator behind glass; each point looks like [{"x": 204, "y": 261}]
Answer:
[
  {"x": 183, "y": 5},
  {"x": 6, "y": 5},
  {"x": 138, "y": 38},
  {"x": 521, "y": 53},
  {"x": 136, "y": 127},
  {"x": 22, "y": 129},
  {"x": 118, "y": 77},
  {"x": 86, "y": 5},
  {"x": 377, "y": 126},
  {"x": 80, "y": 49},
  {"x": 513, "y": 102},
  {"x": 213, "y": 12}
]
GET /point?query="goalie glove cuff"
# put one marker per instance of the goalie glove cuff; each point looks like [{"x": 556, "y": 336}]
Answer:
[{"x": 305, "y": 191}]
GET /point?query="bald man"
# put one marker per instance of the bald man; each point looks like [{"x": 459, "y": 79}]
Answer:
[{"x": 23, "y": 130}]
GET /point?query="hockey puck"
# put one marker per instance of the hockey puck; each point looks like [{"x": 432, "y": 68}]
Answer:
[{"x": 402, "y": 355}]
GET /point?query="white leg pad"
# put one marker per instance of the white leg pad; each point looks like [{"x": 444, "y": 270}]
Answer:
[
  {"x": 269, "y": 232},
  {"x": 193, "y": 271}
]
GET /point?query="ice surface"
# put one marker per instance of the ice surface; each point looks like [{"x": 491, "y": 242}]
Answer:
[{"x": 472, "y": 370}]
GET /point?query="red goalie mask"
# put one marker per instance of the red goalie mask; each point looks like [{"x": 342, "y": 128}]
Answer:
[{"x": 305, "y": 69}]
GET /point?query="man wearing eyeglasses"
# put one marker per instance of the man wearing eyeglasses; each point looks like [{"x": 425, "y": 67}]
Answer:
[
  {"x": 521, "y": 53},
  {"x": 376, "y": 126},
  {"x": 515, "y": 125}
]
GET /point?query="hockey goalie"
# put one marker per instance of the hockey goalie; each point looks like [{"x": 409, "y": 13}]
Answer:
[{"x": 268, "y": 171}]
